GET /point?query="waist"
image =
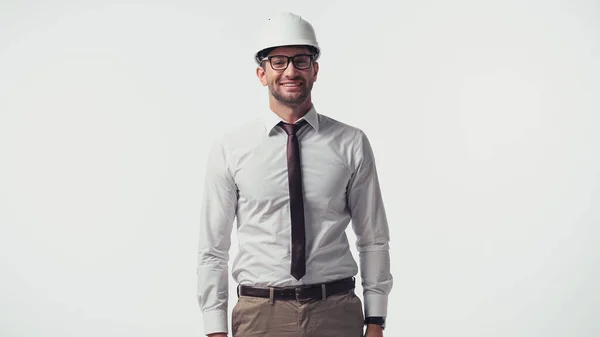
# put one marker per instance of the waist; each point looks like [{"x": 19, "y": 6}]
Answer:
[{"x": 300, "y": 293}]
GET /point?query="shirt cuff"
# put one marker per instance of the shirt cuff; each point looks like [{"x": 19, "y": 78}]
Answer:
[
  {"x": 375, "y": 305},
  {"x": 215, "y": 321}
]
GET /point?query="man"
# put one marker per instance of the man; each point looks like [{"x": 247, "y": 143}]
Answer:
[{"x": 294, "y": 179}]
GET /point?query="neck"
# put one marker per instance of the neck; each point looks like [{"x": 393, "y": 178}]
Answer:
[{"x": 290, "y": 114}]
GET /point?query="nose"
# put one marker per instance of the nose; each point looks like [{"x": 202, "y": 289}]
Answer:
[{"x": 290, "y": 71}]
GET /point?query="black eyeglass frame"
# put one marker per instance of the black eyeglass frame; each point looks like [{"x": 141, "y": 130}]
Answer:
[{"x": 289, "y": 58}]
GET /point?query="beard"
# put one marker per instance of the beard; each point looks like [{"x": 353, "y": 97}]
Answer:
[{"x": 291, "y": 99}]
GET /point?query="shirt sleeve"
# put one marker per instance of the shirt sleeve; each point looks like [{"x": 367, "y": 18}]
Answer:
[
  {"x": 369, "y": 222},
  {"x": 218, "y": 209}
]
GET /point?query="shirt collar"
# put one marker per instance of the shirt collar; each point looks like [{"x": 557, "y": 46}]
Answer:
[{"x": 271, "y": 120}]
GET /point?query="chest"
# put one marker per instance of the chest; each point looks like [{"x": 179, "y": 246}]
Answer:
[{"x": 261, "y": 172}]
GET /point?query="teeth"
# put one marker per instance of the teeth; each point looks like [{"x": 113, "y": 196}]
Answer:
[{"x": 291, "y": 84}]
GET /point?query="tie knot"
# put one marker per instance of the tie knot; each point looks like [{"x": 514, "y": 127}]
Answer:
[{"x": 291, "y": 129}]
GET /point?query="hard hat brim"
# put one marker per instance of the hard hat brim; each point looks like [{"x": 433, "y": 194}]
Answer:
[{"x": 307, "y": 43}]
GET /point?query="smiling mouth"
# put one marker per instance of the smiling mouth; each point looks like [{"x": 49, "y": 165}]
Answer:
[{"x": 291, "y": 84}]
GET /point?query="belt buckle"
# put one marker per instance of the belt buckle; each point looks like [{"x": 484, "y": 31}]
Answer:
[{"x": 298, "y": 292}]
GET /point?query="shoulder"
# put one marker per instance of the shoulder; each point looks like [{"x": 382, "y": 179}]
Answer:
[
  {"x": 351, "y": 139},
  {"x": 343, "y": 131},
  {"x": 331, "y": 124}
]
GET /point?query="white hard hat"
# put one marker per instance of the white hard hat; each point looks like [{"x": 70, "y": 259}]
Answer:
[{"x": 286, "y": 29}]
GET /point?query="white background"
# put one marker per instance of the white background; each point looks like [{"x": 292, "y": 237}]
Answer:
[{"x": 483, "y": 116}]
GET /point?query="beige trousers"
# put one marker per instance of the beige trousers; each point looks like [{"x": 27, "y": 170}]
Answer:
[{"x": 336, "y": 316}]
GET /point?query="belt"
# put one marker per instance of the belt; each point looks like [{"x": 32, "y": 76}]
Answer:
[{"x": 300, "y": 293}]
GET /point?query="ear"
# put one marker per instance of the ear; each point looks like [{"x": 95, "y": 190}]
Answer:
[
  {"x": 316, "y": 68},
  {"x": 262, "y": 75}
]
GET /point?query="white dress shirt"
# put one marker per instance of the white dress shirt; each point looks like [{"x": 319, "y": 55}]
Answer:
[{"x": 246, "y": 178}]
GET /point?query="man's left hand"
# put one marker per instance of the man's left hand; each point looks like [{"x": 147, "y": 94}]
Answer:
[{"x": 374, "y": 330}]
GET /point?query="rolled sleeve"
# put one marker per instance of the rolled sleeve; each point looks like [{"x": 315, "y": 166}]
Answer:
[
  {"x": 218, "y": 209},
  {"x": 370, "y": 225}
]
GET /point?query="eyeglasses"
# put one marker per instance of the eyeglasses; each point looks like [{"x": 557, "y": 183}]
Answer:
[{"x": 281, "y": 62}]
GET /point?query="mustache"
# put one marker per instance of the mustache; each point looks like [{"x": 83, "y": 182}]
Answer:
[{"x": 297, "y": 78}]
